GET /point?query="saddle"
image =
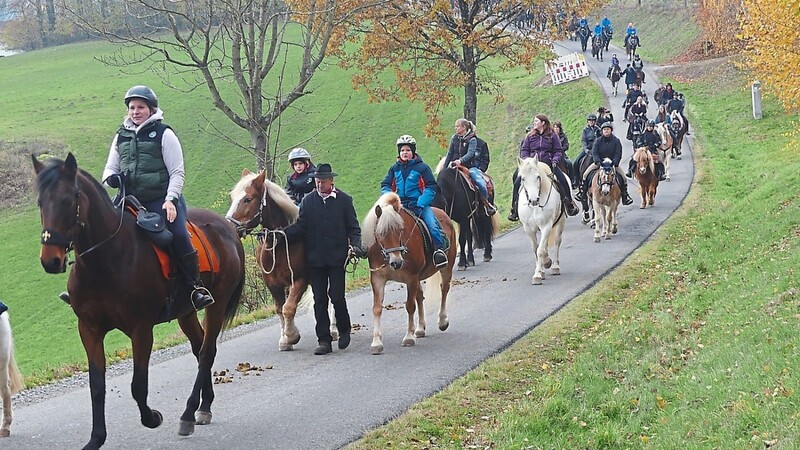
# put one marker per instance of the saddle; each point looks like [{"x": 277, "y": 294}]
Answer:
[
  {"x": 464, "y": 172},
  {"x": 207, "y": 257},
  {"x": 427, "y": 238}
]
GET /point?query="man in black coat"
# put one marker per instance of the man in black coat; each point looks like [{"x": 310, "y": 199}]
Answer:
[{"x": 329, "y": 225}]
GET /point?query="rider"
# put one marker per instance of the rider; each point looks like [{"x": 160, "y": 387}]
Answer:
[
  {"x": 464, "y": 150},
  {"x": 588, "y": 136},
  {"x": 606, "y": 23},
  {"x": 652, "y": 141},
  {"x": 638, "y": 65},
  {"x": 598, "y": 30},
  {"x": 638, "y": 109},
  {"x": 301, "y": 181},
  {"x": 614, "y": 64},
  {"x": 604, "y": 115},
  {"x": 512, "y": 215},
  {"x": 583, "y": 23},
  {"x": 667, "y": 94},
  {"x": 415, "y": 184},
  {"x": 607, "y": 146},
  {"x": 633, "y": 96},
  {"x": 544, "y": 143},
  {"x": 148, "y": 155},
  {"x": 630, "y": 77},
  {"x": 630, "y": 31}
]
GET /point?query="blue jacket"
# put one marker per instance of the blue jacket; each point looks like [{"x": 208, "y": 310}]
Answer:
[
  {"x": 597, "y": 30},
  {"x": 583, "y": 23},
  {"x": 413, "y": 182},
  {"x": 630, "y": 30},
  {"x": 605, "y": 23}
]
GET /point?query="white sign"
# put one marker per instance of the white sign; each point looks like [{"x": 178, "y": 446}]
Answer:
[{"x": 567, "y": 68}]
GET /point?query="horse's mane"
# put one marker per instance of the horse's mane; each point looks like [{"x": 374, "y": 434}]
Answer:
[
  {"x": 643, "y": 155},
  {"x": 390, "y": 220},
  {"x": 439, "y": 166},
  {"x": 272, "y": 190},
  {"x": 51, "y": 173}
]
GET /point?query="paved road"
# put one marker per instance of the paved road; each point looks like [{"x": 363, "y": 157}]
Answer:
[{"x": 312, "y": 402}]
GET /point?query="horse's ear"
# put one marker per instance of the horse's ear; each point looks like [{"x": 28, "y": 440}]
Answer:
[
  {"x": 246, "y": 171},
  {"x": 378, "y": 211},
  {"x": 71, "y": 165},
  {"x": 262, "y": 176},
  {"x": 37, "y": 165}
]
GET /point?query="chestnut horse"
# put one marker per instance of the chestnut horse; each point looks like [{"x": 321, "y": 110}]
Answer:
[
  {"x": 397, "y": 252},
  {"x": 606, "y": 197},
  {"x": 10, "y": 377},
  {"x": 257, "y": 201},
  {"x": 117, "y": 283},
  {"x": 645, "y": 173}
]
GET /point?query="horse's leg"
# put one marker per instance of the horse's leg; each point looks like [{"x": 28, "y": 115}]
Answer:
[
  {"x": 613, "y": 214},
  {"x": 198, "y": 412},
  {"x": 462, "y": 245},
  {"x": 142, "y": 346},
  {"x": 92, "y": 340},
  {"x": 485, "y": 229},
  {"x": 279, "y": 298},
  {"x": 598, "y": 213},
  {"x": 5, "y": 393},
  {"x": 422, "y": 324},
  {"x": 667, "y": 161},
  {"x": 378, "y": 284},
  {"x": 542, "y": 260},
  {"x": 412, "y": 291},
  {"x": 470, "y": 249},
  {"x": 558, "y": 229}
]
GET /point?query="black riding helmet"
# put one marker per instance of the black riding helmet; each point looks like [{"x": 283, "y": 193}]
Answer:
[
  {"x": 144, "y": 93},
  {"x": 591, "y": 116},
  {"x": 607, "y": 125}
]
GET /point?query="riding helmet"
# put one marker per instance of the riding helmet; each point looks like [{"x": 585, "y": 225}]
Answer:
[
  {"x": 299, "y": 154},
  {"x": 607, "y": 125},
  {"x": 144, "y": 93},
  {"x": 591, "y": 116},
  {"x": 408, "y": 140},
  {"x": 651, "y": 122}
]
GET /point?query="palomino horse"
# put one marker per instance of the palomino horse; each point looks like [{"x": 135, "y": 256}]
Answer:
[
  {"x": 646, "y": 175},
  {"x": 257, "y": 201},
  {"x": 631, "y": 46},
  {"x": 462, "y": 203},
  {"x": 606, "y": 197},
  {"x": 665, "y": 150},
  {"x": 118, "y": 282},
  {"x": 10, "y": 376},
  {"x": 397, "y": 252},
  {"x": 679, "y": 129},
  {"x": 540, "y": 212},
  {"x": 597, "y": 47}
]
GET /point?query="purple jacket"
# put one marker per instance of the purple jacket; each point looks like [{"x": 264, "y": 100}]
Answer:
[{"x": 547, "y": 147}]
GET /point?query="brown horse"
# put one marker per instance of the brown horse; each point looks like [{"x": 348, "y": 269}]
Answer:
[
  {"x": 397, "y": 252},
  {"x": 679, "y": 127},
  {"x": 117, "y": 283},
  {"x": 646, "y": 176},
  {"x": 257, "y": 201},
  {"x": 606, "y": 197}
]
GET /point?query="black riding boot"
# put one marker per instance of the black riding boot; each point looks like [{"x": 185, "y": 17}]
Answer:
[
  {"x": 513, "y": 216},
  {"x": 64, "y": 296},
  {"x": 623, "y": 187},
  {"x": 661, "y": 172},
  {"x": 201, "y": 297},
  {"x": 631, "y": 168}
]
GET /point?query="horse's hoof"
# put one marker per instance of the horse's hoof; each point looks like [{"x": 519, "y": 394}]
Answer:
[
  {"x": 5, "y": 433},
  {"x": 186, "y": 428},
  {"x": 420, "y": 333},
  {"x": 156, "y": 419},
  {"x": 597, "y": 238},
  {"x": 643, "y": 206},
  {"x": 608, "y": 237},
  {"x": 460, "y": 267},
  {"x": 584, "y": 221},
  {"x": 487, "y": 258},
  {"x": 667, "y": 179},
  {"x": 409, "y": 342},
  {"x": 472, "y": 263},
  {"x": 679, "y": 157},
  {"x": 284, "y": 347},
  {"x": 536, "y": 281},
  {"x": 556, "y": 271},
  {"x": 202, "y": 417},
  {"x": 335, "y": 335},
  {"x": 444, "y": 324},
  {"x": 376, "y": 349}
]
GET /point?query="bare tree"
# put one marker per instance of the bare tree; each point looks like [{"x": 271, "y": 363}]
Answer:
[{"x": 213, "y": 43}]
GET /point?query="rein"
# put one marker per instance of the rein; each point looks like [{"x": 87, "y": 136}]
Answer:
[{"x": 402, "y": 248}]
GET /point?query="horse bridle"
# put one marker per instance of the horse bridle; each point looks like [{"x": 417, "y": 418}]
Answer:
[
  {"x": 386, "y": 252},
  {"x": 247, "y": 227},
  {"x": 538, "y": 203}
]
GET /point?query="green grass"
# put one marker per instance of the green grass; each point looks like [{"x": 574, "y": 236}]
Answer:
[{"x": 62, "y": 100}]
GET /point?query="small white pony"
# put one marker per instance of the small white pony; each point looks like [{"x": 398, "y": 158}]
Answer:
[
  {"x": 540, "y": 212},
  {"x": 10, "y": 376}
]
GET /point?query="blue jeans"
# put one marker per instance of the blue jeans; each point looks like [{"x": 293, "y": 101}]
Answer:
[
  {"x": 181, "y": 242},
  {"x": 477, "y": 178},
  {"x": 427, "y": 216}
]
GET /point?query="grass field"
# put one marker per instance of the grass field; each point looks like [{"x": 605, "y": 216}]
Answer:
[{"x": 62, "y": 100}]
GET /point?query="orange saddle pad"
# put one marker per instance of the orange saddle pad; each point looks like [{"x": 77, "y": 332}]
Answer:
[{"x": 206, "y": 256}]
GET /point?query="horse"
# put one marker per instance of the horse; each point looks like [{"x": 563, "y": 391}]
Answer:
[
  {"x": 588, "y": 213},
  {"x": 616, "y": 75},
  {"x": 597, "y": 48},
  {"x": 540, "y": 211},
  {"x": 583, "y": 34},
  {"x": 665, "y": 150},
  {"x": 606, "y": 35},
  {"x": 645, "y": 174},
  {"x": 10, "y": 376},
  {"x": 679, "y": 128},
  {"x": 462, "y": 204},
  {"x": 631, "y": 46},
  {"x": 636, "y": 125},
  {"x": 397, "y": 251},
  {"x": 640, "y": 75},
  {"x": 255, "y": 201},
  {"x": 606, "y": 197},
  {"x": 118, "y": 282}
]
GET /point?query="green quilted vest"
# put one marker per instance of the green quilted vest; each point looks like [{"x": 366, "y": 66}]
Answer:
[{"x": 141, "y": 161}]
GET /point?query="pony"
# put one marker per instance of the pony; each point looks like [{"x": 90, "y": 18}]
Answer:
[
  {"x": 462, "y": 204},
  {"x": 10, "y": 376},
  {"x": 645, "y": 174},
  {"x": 631, "y": 46},
  {"x": 397, "y": 252},
  {"x": 606, "y": 197},
  {"x": 588, "y": 213},
  {"x": 118, "y": 282},
  {"x": 616, "y": 75},
  {"x": 257, "y": 201},
  {"x": 540, "y": 211},
  {"x": 679, "y": 128},
  {"x": 636, "y": 126},
  {"x": 597, "y": 47},
  {"x": 665, "y": 150},
  {"x": 583, "y": 34}
]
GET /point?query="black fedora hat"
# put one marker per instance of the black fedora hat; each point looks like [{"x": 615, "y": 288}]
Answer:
[{"x": 324, "y": 171}]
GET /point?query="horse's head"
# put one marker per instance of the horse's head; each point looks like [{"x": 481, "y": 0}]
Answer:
[
  {"x": 60, "y": 202},
  {"x": 606, "y": 175},
  {"x": 644, "y": 160},
  {"x": 258, "y": 201},
  {"x": 531, "y": 176},
  {"x": 383, "y": 227}
]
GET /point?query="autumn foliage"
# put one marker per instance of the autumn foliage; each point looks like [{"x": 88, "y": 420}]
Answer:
[
  {"x": 771, "y": 31},
  {"x": 718, "y": 20}
]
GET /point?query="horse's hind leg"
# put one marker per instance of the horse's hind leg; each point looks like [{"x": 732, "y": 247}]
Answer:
[
  {"x": 5, "y": 393},
  {"x": 279, "y": 298},
  {"x": 412, "y": 289},
  {"x": 422, "y": 325},
  {"x": 142, "y": 346},
  {"x": 462, "y": 246}
]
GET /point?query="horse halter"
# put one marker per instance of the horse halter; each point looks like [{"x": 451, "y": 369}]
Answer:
[
  {"x": 247, "y": 227},
  {"x": 533, "y": 203},
  {"x": 52, "y": 237}
]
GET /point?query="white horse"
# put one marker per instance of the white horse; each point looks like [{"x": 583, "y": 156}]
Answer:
[
  {"x": 665, "y": 150},
  {"x": 540, "y": 212},
  {"x": 10, "y": 376}
]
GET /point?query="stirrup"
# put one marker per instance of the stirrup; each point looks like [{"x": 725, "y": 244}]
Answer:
[
  {"x": 439, "y": 258},
  {"x": 490, "y": 209},
  {"x": 627, "y": 200},
  {"x": 512, "y": 216},
  {"x": 201, "y": 298}
]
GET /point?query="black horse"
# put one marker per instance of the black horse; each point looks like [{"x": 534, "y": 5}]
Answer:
[
  {"x": 462, "y": 203},
  {"x": 597, "y": 47},
  {"x": 583, "y": 34},
  {"x": 606, "y": 36}
]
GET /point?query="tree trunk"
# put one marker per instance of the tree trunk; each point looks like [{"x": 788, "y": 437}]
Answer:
[
  {"x": 51, "y": 15},
  {"x": 471, "y": 86}
]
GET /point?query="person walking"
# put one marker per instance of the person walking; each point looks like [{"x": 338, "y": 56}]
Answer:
[{"x": 330, "y": 228}]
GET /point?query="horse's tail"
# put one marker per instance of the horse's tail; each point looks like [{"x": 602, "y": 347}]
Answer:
[
  {"x": 233, "y": 303},
  {"x": 15, "y": 380},
  {"x": 433, "y": 287}
]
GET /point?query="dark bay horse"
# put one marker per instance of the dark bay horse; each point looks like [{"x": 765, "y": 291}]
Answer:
[
  {"x": 631, "y": 46},
  {"x": 117, "y": 283},
  {"x": 583, "y": 35},
  {"x": 397, "y": 252},
  {"x": 256, "y": 201},
  {"x": 616, "y": 75},
  {"x": 645, "y": 174},
  {"x": 462, "y": 203},
  {"x": 597, "y": 47}
]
